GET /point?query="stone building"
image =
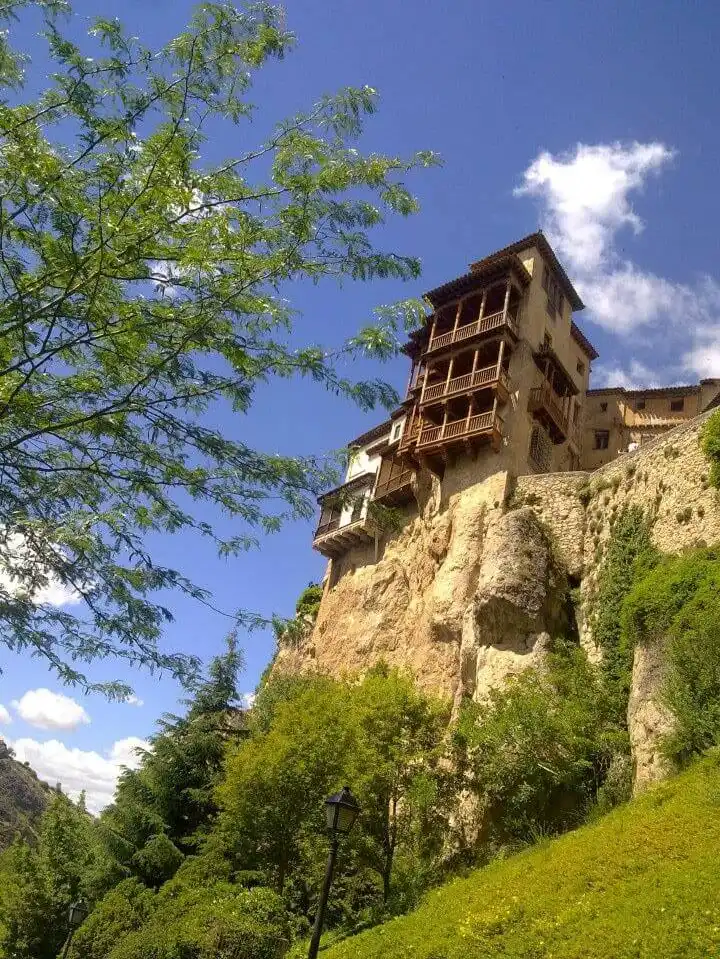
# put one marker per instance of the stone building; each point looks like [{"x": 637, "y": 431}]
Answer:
[
  {"x": 498, "y": 384},
  {"x": 498, "y": 379},
  {"x": 619, "y": 420}
]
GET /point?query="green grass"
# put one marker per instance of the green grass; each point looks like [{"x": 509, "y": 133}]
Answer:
[{"x": 642, "y": 882}]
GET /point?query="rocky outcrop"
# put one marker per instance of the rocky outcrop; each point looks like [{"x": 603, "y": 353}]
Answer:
[
  {"x": 519, "y": 604},
  {"x": 23, "y": 798},
  {"x": 648, "y": 719}
]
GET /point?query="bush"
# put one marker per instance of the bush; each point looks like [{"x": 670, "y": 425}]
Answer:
[
  {"x": 710, "y": 444},
  {"x": 308, "y": 602},
  {"x": 217, "y": 921},
  {"x": 629, "y": 554},
  {"x": 123, "y": 910},
  {"x": 539, "y": 750},
  {"x": 157, "y": 861}
]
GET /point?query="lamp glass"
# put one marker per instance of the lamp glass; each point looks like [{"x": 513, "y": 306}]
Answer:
[
  {"x": 341, "y": 811},
  {"x": 78, "y": 913}
]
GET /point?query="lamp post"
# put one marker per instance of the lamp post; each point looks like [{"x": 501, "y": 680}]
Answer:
[
  {"x": 77, "y": 914},
  {"x": 342, "y": 810}
]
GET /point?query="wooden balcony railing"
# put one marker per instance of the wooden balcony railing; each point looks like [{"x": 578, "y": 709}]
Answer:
[
  {"x": 393, "y": 484},
  {"x": 485, "y": 325},
  {"x": 469, "y": 381},
  {"x": 544, "y": 397},
  {"x": 467, "y": 426}
]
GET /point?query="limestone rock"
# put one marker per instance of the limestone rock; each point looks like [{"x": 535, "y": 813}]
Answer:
[
  {"x": 518, "y": 604},
  {"x": 648, "y": 719}
]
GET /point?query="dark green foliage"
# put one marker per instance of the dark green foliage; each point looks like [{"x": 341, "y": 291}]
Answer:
[
  {"x": 39, "y": 883},
  {"x": 710, "y": 444},
  {"x": 678, "y": 606},
  {"x": 629, "y": 553},
  {"x": 157, "y": 861},
  {"x": 537, "y": 753},
  {"x": 144, "y": 286},
  {"x": 169, "y": 801},
  {"x": 122, "y": 911},
  {"x": 217, "y": 921}
]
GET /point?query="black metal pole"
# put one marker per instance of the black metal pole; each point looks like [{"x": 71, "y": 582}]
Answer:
[
  {"x": 320, "y": 914},
  {"x": 67, "y": 944}
]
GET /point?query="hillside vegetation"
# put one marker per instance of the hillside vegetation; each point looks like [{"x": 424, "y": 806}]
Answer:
[{"x": 643, "y": 882}]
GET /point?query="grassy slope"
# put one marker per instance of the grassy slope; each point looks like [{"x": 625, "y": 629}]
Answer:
[{"x": 644, "y": 881}]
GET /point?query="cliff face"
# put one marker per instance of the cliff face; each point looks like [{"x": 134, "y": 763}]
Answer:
[{"x": 476, "y": 582}]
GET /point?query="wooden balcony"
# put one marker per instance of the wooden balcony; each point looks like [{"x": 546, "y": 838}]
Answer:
[
  {"x": 480, "y": 425},
  {"x": 488, "y": 324},
  {"x": 488, "y": 376},
  {"x": 395, "y": 489},
  {"x": 546, "y": 405},
  {"x": 332, "y": 540}
]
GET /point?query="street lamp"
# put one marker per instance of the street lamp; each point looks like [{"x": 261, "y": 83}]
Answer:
[
  {"x": 341, "y": 810},
  {"x": 77, "y": 914}
]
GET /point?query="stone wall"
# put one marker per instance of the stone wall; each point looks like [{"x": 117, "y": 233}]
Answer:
[{"x": 556, "y": 499}]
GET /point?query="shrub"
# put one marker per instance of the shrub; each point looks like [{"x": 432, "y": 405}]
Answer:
[
  {"x": 629, "y": 553},
  {"x": 538, "y": 751},
  {"x": 710, "y": 444},
  {"x": 308, "y": 602},
  {"x": 678, "y": 602},
  {"x": 219, "y": 921},
  {"x": 124, "y": 909},
  {"x": 157, "y": 861}
]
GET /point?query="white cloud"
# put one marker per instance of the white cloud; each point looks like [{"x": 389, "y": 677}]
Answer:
[
  {"x": 80, "y": 770},
  {"x": 247, "y": 700},
  {"x": 636, "y": 377},
  {"x": 5, "y": 717},
  {"x": 585, "y": 195},
  {"x": 17, "y": 559},
  {"x": 585, "y": 203},
  {"x": 47, "y": 710},
  {"x": 133, "y": 700}
]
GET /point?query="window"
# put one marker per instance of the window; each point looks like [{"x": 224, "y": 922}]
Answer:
[
  {"x": 580, "y": 368},
  {"x": 602, "y": 439},
  {"x": 640, "y": 405},
  {"x": 677, "y": 405},
  {"x": 397, "y": 431},
  {"x": 551, "y": 286},
  {"x": 575, "y": 413},
  {"x": 603, "y": 407}
]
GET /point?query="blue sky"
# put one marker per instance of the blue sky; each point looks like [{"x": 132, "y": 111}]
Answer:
[{"x": 506, "y": 93}]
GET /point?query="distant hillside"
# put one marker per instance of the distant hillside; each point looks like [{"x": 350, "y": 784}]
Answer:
[
  {"x": 642, "y": 882},
  {"x": 22, "y": 798}
]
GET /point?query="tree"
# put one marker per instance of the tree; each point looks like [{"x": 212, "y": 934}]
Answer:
[
  {"x": 68, "y": 863},
  {"x": 169, "y": 801},
  {"x": 380, "y": 735},
  {"x": 275, "y": 784},
  {"x": 142, "y": 285}
]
